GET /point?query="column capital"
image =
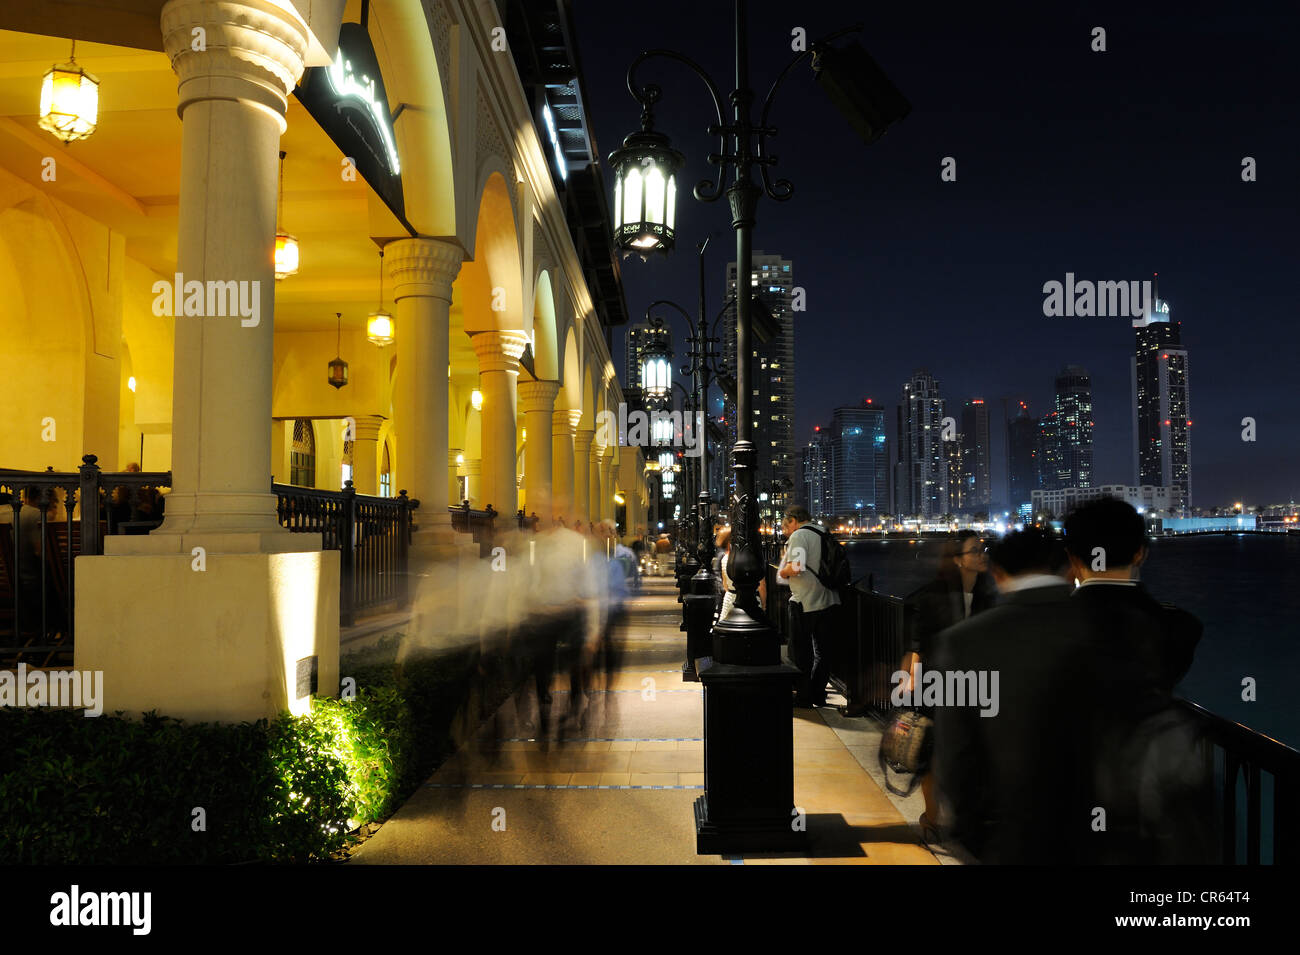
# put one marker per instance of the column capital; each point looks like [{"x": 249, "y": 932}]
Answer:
[
  {"x": 367, "y": 427},
  {"x": 597, "y": 451},
  {"x": 582, "y": 440},
  {"x": 538, "y": 396},
  {"x": 251, "y": 51},
  {"x": 498, "y": 351},
  {"x": 564, "y": 423},
  {"x": 422, "y": 267},
  {"x": 452, "y": 455}
]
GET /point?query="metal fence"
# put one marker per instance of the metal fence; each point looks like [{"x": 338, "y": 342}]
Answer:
[
  {"x": 55, "y": 517},
  {"x": 1255, "y": 780},
  {"x": 371, "y": 534}
]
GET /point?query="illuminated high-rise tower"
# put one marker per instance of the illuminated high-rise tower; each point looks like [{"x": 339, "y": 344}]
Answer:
[{"x": 1161, "y": 409}]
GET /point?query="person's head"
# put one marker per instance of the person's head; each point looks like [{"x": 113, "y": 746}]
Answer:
[
  {"x": 796, "y": 515},
  {"x": 966, "y": 556},
  {"x": 723, "y": 537},
  {"x": 1021, "y": 553},
  {"x": 1105, "y": 538},
  {"x": 133, "y": 468}
]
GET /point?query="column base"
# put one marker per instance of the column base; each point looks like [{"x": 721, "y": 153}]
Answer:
[{"x": 246, "y": 637}]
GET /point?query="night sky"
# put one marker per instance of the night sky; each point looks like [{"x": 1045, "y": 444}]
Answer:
[{"x": 1109, "y": 165}]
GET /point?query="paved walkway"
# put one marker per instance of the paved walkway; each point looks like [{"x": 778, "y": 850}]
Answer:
[{"x": 616, "y": 783}]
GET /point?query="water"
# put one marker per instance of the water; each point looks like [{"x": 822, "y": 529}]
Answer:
[{"x": 1244, "y": 589}]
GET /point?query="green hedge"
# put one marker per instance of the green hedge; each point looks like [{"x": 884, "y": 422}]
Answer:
[{"x": 120, "y": 791}]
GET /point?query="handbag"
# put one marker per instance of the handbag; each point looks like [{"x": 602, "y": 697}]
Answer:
[{"x": 905, "y": 748}]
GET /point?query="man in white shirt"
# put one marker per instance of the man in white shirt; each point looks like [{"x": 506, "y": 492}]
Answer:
[{"x": 813, "y": 606}]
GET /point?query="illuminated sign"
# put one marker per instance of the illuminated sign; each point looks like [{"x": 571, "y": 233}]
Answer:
[
  {"x": 348, "y": 85},
  {"x": 347, "y": 100},
  {"x": 560, "y": 163}
]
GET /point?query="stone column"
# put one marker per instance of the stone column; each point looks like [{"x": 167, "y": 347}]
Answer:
[
  {"x": 594, "y": 505},
  {"x": 564, "y": 425},
  {"x": 241, "y": 618},
  {"x": 538, "y": 398},
  {"x": 471, "y": 471},
  {"x": 582, "y": 474},
  {"x": 498, "y": 363},
  {"x": 607, "y": 486},
  {"x": 453, "y": 474},
  {"x": 422, "y": 273},
  {"x": 232, "y": 92},
  {"x": 365, "y": 454}
]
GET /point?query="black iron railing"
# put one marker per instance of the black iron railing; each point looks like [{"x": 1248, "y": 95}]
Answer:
[
  {"x": 371, "y": 534},
  {"x": 871, "y": 648},
  {"x": 56, "y": 517},
  {"x": 1235, "y": 754}
]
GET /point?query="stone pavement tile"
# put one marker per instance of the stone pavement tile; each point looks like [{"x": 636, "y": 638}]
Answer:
[
  {"x": 546, "y": 779},
  {"x": 653, "y": 779},
  {"x": 652, "y": 745},
  {"x": 690, "y": 779},
  {"x": 828, "y": 760},
  {"x": 666, "y": 762},
  {"x": 615, "y": 779},
  {"x": 585, "y": 779},
  {"x": 572, "y": 827}
]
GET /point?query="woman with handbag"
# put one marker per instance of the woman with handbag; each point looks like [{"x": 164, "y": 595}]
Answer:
[{"x": 960, "y": 589}]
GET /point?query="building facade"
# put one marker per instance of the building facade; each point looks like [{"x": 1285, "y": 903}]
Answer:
[
  {"x": 390, "y": 126},
  {"x": 976, "y": 491},
  {"x": 1161, "y": 405},
  {"x": 860, "y": 462},
  {"x": 818, "y": 479},
  {"x": 771, "y": 380},
  {"x": 1154, "y": 501},
  {"x": 921, "y": 469},
  {"x": 1023, "y": 450},
  {"x": 1070, "y": 430}
]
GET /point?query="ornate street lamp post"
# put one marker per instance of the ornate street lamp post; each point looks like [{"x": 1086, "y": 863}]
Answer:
[{"x": 748, "y": 751}]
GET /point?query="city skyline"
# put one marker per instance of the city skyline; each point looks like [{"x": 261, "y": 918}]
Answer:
[{"x": 903, "y": 269}]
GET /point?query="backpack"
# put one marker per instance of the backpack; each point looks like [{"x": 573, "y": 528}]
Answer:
[{"x": 835, "y": 572}]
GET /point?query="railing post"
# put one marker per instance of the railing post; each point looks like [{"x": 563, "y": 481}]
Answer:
[
  {"x": 404, "y": 546},
  {"x": 90, "y": 471},
  {"x": 348, "y": 556}
]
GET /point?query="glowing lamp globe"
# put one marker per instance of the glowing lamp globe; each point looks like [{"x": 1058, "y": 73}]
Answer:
[
  {"x": 379, "y": 328},
  {"x": 645, "y": 193},
  {"x": 286, "y": 255},
  {"x": 69, "y": 102}
]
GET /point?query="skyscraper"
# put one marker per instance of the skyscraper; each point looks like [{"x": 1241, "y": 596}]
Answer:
[
  {"x": 818, "y": 482},
  {"x": 859, "y": 461},
  {"x": 1161, "y": 408},
  {"x": 771, "y": 379},
  {"x": 1022, "y": 459},
  {"x": 921, "y": 475},
  {"x": 1073, "y": 428},
  {"x": 976, "y": 490}
]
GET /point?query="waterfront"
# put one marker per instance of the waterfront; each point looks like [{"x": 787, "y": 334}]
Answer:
[{"x": 1245, "y": 589}]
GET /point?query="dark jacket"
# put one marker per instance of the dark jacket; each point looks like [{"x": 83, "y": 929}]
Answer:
[
  {"x": 940, "y": 604},
  {"x": 1147, "y": 774},
  {"x": 1018, "y": 781}
]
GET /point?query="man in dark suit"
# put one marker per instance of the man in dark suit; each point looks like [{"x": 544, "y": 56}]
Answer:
[
  {"x": 1147, "y": 775},
  {"x": 1016, "y": 778}
]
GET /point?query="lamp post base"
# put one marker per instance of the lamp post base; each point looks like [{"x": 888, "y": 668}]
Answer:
[{"x": 748, "y": 804}]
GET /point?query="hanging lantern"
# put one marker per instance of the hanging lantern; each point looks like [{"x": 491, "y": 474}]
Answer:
[
  {"x": 476, "y": 399},
  {"x": 379, "y": 327},
  {"x": 645, "y": 190},
  {"x": 286, "y": 246},
  {"x": 338, "y": 376},
  {"x": 656, "y": 370},
  {"x": 69, "y": 100}
]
